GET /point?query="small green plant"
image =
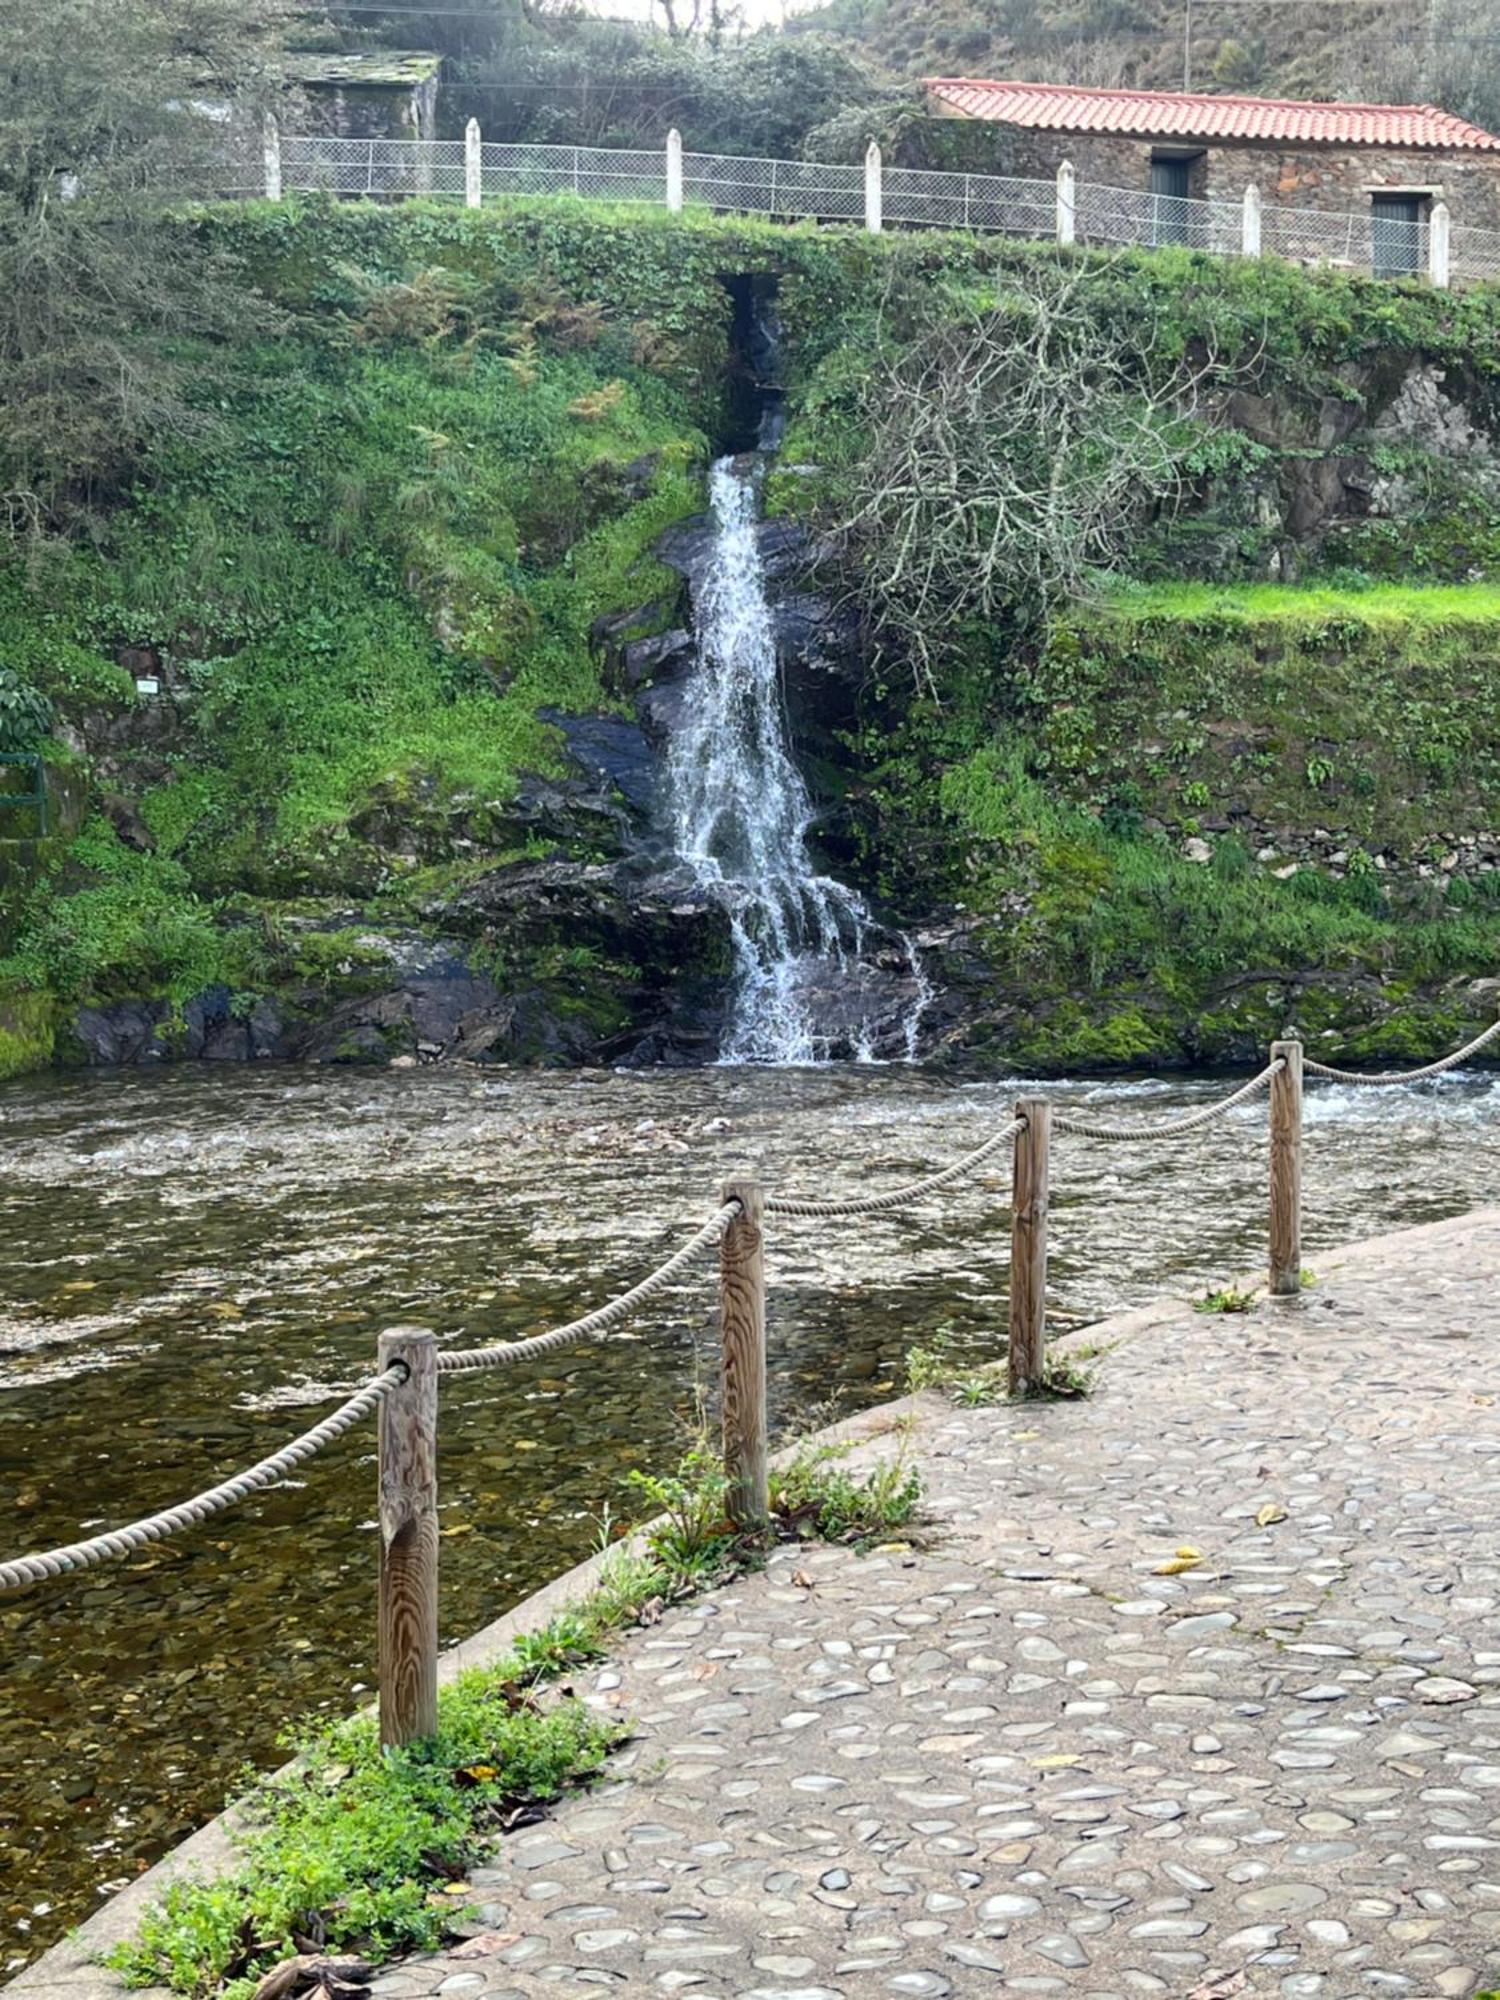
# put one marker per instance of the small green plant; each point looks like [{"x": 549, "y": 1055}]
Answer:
[
  {"x": 355, "y": 1847},
  {"x": 815, "y": 1494},
  {"x": 1064, "y": 1380},
  {"x": 930, "y": 1367},
  {"x": 1226, "y": 1300},
  {"x": 694, "y": 1535}
]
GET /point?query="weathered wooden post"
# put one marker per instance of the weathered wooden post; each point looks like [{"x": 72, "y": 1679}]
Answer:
[
  {"x": 270, "y": 140},
  {"x": 674, "y": 171},
  {"x": 874, "y": 192},
  {"x": 742, "y": 1327},
  {"x": 1067, "y": 203},
  {"x": 1250, "y": 223},
  {"x": 1439, "y": 245},
  {"x": 1286, "y": 1170},
  {"x": 473, "y": 165},
  {"x": 1028, "y": 1246},
  {"x": 408, "y": 1540}
]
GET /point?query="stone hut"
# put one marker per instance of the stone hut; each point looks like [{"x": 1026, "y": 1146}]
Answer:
[
  {"x": 1375, "y": 169},
  {"x": 368, "y": 93}
]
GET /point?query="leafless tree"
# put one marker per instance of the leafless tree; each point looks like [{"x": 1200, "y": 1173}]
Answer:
[{"x": 1017, "y": 443}]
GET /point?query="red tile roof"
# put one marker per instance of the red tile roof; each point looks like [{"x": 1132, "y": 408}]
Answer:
[{"x": 1163, "y": 114}]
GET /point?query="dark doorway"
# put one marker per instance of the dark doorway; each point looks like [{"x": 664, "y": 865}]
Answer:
[
  {"x": 1396, "y": 234},
  {"x": 1170, "y": 213}
]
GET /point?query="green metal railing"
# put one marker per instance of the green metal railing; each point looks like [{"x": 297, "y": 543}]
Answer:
[{"x": 37, "y": 796}]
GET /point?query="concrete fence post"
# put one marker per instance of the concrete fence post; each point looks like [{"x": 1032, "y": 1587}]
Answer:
[
  {"x": 1250, "y": 225},
  {"x": 1067, "y": 203},
  {"x": 407, "y": 1452},
  {"x": 1286, "y": 1171},
  {"x": 473, "y": 164},
  {"x": 1440, "y": 245},
  {"x": 874, "y": 194},
  {"x": 674, "y": 171},
  {"x": 270, "y": 136},
  {"x": 742, "y": 1333}
]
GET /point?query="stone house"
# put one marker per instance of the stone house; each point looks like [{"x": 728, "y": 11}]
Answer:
[
  {"x": 368, "y": 93},
  {"x": 1350, "y": 182}
]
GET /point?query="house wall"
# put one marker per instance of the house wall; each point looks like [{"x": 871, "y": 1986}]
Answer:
[
  {"x": 1329, "y": 178},
  {"x": 373, "y": 111}
]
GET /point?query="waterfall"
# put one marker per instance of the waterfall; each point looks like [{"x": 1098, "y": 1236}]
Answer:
[{"x": 741, "y": 819}]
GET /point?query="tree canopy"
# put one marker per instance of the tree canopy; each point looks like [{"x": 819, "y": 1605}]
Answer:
[{"x": 112, "y": 110}]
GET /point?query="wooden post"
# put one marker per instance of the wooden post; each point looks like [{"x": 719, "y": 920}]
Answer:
[
  {"x": 1286, "y": 1171},
  {"x": 1250, "y": 223},
  {"x": 473, "y": 165},
  {"x": 1028, "y": 1247},
  {"x": 1067, "y": 203},
  {"x": 674, "y": 171},
  {"x": 874, "y": 193},
  {"x": 742, "y": 1327},
  {"x": 409, "y": 1540},
  {"x": 1439, "y": 245},
  {"x": 271, "y": 157}
]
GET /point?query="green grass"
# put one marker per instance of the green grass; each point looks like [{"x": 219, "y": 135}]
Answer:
[{"x": 1399, "y": 608}]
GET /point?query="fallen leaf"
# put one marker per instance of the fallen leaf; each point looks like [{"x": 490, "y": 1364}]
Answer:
[
  {"x": 1220, "y": 1989},
  {"x": 460, "y": 1528},
  {"x": 1177, "y": 1565},
  {"x": 458, "y": 1888},
  {"x": 484, "y": 1944},
  {"x": 1270, "y": 1514},
  {"x": 802, "y": 1580},
  {"x": 1025, "y": 1437}
]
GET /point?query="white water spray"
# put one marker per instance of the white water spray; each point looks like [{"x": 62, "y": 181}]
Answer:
[{"x": 741, "y": 817}]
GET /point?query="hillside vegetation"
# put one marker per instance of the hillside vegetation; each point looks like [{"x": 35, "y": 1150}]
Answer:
[{"x": 405, "y": 549}]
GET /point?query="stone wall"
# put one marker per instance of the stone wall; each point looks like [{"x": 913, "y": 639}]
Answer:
[{"x": 1332, "y": 179}]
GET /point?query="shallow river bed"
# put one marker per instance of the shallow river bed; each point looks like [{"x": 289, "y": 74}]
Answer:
[{"x": 201, "y": 1259}]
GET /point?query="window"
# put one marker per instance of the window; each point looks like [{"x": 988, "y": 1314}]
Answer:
[
  {"x": 1396, "y": 230},
  {"x": 1171, "y": 211}
]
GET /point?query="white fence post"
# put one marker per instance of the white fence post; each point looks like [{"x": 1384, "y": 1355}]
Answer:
[
  {"x": 1067, "y": 203},
  {"x": 874, "y": 194},
  {"x": 1250, "y": 226},
  {"x": 674, "y": 171},
  {"x": 1439, "y": 245},
  {"x": 473, "y": 164},
  {"x": 271, "y": 153}
]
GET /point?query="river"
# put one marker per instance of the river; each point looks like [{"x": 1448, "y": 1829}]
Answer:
[{"x": 202, "y": 1257}]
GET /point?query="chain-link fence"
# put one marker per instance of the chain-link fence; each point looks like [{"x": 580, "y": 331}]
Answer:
[{"x": 1387, "y": 239}]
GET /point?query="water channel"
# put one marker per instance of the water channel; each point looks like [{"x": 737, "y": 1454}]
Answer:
[{"x": 200, "y": 1258}]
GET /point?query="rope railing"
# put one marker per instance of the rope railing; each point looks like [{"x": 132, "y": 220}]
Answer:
[
  {"x": 1093, "y": 1128},
  {"x": 892, "y": 1198},
  {"x": 467, "y": 1360},
  {"x": 203, "y": 1506},
  {"x": 405, "y": 1390},
  {"x": 1408, "y": 1075}
]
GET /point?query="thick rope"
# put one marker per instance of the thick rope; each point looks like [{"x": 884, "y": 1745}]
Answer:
[
  {"x": 1406, "y": 1075},
  {"x": 463, "y": 1359},
  {"x": 874, "y": 1204},
  {"x": 188, "y": 1513},
  {"x": 1089, "y": 1128}
]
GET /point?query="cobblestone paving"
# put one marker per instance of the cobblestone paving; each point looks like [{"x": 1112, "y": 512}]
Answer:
[{"x": 1022, "y": 1760}]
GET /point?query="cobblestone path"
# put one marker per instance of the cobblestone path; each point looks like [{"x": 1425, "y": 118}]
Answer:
[{"x": 1020, "y": 1759}]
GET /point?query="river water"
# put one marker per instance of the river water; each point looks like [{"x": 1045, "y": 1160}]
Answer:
[{"x": 201, "y": 1258}]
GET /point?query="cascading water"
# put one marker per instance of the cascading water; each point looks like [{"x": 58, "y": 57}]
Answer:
[{"x": 741, "y": 819}]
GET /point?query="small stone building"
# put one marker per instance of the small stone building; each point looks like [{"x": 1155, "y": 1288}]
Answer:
[
  {"x": 1383, "y": 165},
  {"x": 368, "y": 93}
]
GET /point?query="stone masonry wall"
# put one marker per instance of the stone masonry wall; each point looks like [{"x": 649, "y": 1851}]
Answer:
[{"x": 1328, "y": 178}]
